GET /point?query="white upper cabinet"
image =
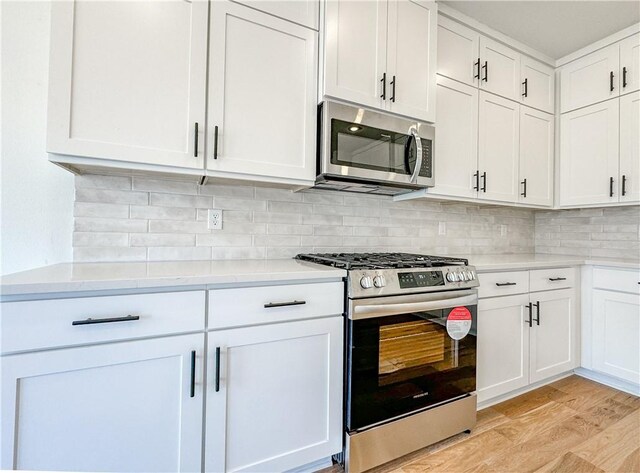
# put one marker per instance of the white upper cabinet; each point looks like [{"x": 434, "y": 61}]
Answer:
[
  {"x": 590, "y": 79},
  {"x": 630, "y": 64},
  {"x": 303, "y": 12},
  {"x": 499, "y": 69},
  {"x": 355, "y": 51},
  {"x": 411, "y": 58},
  {"x": 536, "y": 157},
  {"x": 498, "y": 148},
  {"x": 537, "y": 81},
  {"x": 589, "y": 155},
  {"x": 458, "y": 52},
  {"x": 630, "y": 148},
  {"x": 456, "y": 147},
  {"x": 127, "y": 81},
  {"x": 262, "y": 95},
  {"x": 382, "y": 55}
]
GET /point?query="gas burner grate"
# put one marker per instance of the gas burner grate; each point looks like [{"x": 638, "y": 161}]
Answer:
[{"x": 380, "y": 260}]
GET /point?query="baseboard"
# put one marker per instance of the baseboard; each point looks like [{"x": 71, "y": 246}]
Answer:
[
  {"x": 505, "y": 397},
  {"x": 610, "y": 381},
  {"x": 313, "y": 466}
]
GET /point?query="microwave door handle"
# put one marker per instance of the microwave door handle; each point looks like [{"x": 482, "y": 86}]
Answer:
[
  {"x": 382, "y": 310},
  {"x": 414, "y": 134}
]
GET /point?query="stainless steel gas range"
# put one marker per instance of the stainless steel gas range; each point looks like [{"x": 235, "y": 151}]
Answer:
[{"x": 410, "y": 374}]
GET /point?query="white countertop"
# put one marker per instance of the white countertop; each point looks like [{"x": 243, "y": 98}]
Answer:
[
  {"x": 534, "y": 261},
  {"x": 76, "y": 277}
]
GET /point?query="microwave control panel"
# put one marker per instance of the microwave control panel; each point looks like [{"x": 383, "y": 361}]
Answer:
[{"x": 426, "y": 170}]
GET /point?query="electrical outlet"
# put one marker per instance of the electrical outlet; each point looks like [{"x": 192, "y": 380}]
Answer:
[
  {"x": 503, "y": 230},
  {"x": 214, "y": 219},
  {"x": 442, "y": 228}
]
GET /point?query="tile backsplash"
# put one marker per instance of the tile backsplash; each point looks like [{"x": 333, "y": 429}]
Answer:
[
  {"x": 609, "y": 232},
  {"x": 131, "y": 219}
]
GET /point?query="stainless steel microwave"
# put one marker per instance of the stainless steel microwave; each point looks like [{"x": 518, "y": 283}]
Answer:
[{"x": 360, "y": 150}]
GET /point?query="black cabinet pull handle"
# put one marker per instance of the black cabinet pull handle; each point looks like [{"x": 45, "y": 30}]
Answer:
[
  {"x": 486, "y": 72},
  {"x": 215, "y": 142},
  {"x": 192, "y": 386},
  {"x": 611, "y": 81},
  {"x": 557, "y": 279},
  {"x": 217, "y": 380},
  {"x": 476, "y": 175},
  {"x": 537, "y": 304},
  {"x": 611, "y": 187},
  {"x": 624, "y": 184},
  {"x": 476, "y": 64},
  {"x": 624, "y": 77},
  {"x": 524, "y": 191},
  {"x": 500, "y": 284},
  {"x": 484, "y": 182},
  {"x": 393, "y": 89},
  {"x": 530, "y": 307},
  {"x": 283, "y": 304},
  {"x": 109, "y": 320},
  {"x": 195, "y": 141},
  {"x": 384, "y": 86},
  {"x": 526, "y": 89}
]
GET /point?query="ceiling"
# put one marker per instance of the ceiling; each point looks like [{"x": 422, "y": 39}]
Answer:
[{"x": 555, "y": 28}]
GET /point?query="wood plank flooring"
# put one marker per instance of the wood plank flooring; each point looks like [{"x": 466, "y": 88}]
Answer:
[{"x": 573, "y": 425}]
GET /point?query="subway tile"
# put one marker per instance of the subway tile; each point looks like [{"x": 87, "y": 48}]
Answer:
[
  {"x": 237, "y": 253},
  {"x": 161, "y": 239},
  {"x": 232, "y": 203},
  {"x": 102, "y": 254},
  {"x": 244, "y": 192},
  {"x": 84, "y": 224},
  {"x": 161, "y": 213},
  {"x": 179, "y": 200},
  {"x": 108, "y": 196},
  {"x": 100, "y": 239},
  {"x": 286, "y": 229},
  {"x": 91, "y": 209},
  {"x": 103, "y": 182},
  {"x": 220, "y": 239},
  {"x": 280, "y": 195},
  {"x": 177, "y": 226},
  {"x": 164, "y": 186}
]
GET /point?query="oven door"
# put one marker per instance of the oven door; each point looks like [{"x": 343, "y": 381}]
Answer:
[
  {"x": 407, "y": 353},
  {"x": 363, "y": 144}
]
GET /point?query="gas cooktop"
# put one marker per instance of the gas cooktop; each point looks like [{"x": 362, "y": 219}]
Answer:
[{"x": 381, "y": 260}]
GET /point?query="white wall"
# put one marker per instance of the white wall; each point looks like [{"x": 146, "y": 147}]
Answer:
[{"x": 36, "y": 198}]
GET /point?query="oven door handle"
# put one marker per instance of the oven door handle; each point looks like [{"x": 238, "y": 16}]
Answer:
[
  {"x": 413, "y": 132},
  {"x": 382, "y": 310}
]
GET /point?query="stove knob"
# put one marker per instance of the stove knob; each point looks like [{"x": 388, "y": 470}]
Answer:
[
  {"x": 451, "y": 277},
  {"x": 379, "y": 281},
  {"x": 470, "y": 276},
  {"x": 463, "y": 276},
  {"x": 366, "y": 282}
]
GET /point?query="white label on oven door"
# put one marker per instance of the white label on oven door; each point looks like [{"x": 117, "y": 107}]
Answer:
[{"x": 459, "y": 323}]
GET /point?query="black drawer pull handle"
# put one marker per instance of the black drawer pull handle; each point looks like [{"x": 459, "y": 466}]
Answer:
[
  {"x": 393, "y": 89},
  {"x": 283, "y": 304},
  {"x": 624, "y": 77},
  {"x": 384, "y": 86},
  {"x": 557, "y": 279},
  {"x": 500, "y": 284},
  {"x": 530, "y": 307},
  {"x": 91, "y": 321},
  {"x": 611, "y": 81},
  {"x": 486, "y": 72},
  {"x": 217, "y": 380},
  {"x": 484, "y": 182},
  {"x": 537, "y": 304},
  {"x": 476, "y": 175},
  {"x": 624, "y": 184},
  {"x": 192, "y": 385},
  {"x": 526, "y": 88},
  {"x": 524, "y": 183}
]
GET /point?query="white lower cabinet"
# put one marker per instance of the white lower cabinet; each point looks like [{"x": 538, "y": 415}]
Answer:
[
  {"x": 274, "y": 395},
  {"x": 127, "y": 406},
  {"x": 524, "y": 338},
  {"x": 616, "y": 334}
]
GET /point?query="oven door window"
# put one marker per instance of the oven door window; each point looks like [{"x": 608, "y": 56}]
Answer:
[
  {"x": 365, "y": 147},
  {"x": 403, "y": 363}
]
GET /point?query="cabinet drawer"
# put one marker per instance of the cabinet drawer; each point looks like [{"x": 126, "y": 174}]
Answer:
[
  {"x": 503, "y": 283},
  {"x": 33, "y": 325},
  {"x": 617, "y": 280},
  {"x": 545, "y": 279},
  {"x": 267, "y": 304}
]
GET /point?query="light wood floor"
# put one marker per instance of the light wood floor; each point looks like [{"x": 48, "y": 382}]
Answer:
[{"x": 573, "y": 425}]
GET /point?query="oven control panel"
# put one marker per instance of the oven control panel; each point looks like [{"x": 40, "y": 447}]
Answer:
[{"x": 421, "y": 279}]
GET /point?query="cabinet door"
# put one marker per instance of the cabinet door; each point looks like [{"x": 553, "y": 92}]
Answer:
[
  {"x": 458, "y": 52},
  {"x": 262, "y": 90},
  {"x": 616, "y": 334},
  {"x": 503, "y": 345},
  {"x": 536, "y": 157},
  {"x": 537, "y": 82},
  {"x": 127, "y": 81},
  {"x": 116, "y": 407},
  {"x": 589, "y": 155},
  {"x": 553, "y": 335},
  {"x": 355, "y": 50},
  {"x": 498, "y": 148},
  {"x": 278, "y": 402},
  {"x": 456, "y": 147},
  {"x": 630, "y": 64},
  {"x": 500, "y": 69},
  {"x": 411, "y": 58},
  {"x": 588, "y": 80},
  {"x": 630, "y": 147}
]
